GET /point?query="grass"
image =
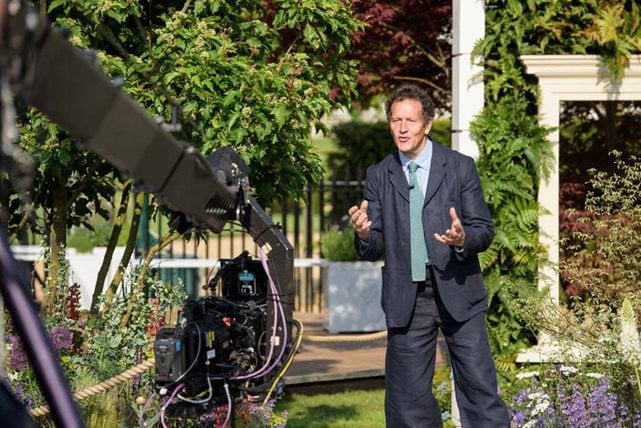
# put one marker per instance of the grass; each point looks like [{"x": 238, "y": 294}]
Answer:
[
  {"x": 354, "y": 409},
  {"x": 351, "y": 409}
]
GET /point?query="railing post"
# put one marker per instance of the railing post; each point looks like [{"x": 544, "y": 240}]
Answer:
[{"x": 334, "y": 191}]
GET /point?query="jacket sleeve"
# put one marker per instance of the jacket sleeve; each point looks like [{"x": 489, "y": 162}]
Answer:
[
  {"x": 373, "y": 249},
  {"x": 475, "y": 215}
]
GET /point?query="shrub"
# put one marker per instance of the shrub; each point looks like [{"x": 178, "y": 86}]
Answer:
[
  {"x": 601, "y": 259},
  {"x": 338, "y": 245}
]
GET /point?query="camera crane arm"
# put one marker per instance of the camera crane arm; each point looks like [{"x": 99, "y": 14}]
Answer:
[{"x": 42, "y": 68}]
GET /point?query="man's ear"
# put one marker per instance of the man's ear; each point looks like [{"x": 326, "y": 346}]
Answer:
[{"x": 428, "y": 127}]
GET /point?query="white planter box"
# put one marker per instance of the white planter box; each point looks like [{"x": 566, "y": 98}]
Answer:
[{"x": 353, "y": 297}]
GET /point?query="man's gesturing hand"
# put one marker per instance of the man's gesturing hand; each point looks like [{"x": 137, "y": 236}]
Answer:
[
  {"x": 360, "y": 222},
  {"x": 455, "y": 235}
]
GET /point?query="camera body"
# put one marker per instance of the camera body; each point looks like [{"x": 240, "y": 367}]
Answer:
[{"x": 222, "y": 339}]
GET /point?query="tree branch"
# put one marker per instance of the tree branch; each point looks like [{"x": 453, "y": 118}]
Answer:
[{"x": 421, "y": 80}]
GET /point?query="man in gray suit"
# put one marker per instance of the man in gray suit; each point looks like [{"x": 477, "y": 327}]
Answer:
[{"x": 432, "y": 276}]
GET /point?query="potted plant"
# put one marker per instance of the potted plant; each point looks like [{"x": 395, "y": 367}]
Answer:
[{"x": 352, "y": 287}]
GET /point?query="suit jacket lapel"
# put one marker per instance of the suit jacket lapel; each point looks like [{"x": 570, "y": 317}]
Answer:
[
  {"x": 397, "y": 177},
  {"x": 437, "y": 171}
]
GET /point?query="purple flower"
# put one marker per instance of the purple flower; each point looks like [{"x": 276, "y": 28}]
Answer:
[
  {"x": 603, "y": 404},
  {"x": 62, "y": 338},
  {"x": 518, "y": 418},
  {"x": 575, "y": 408},
  {"x": 18, "y": 357},
  {"x": 18, "y": 393}
]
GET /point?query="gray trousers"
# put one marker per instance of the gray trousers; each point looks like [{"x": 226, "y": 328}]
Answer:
[{"x": 410, "y": 361}]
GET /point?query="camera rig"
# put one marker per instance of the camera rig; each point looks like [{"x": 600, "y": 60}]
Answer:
[
  {"x": 238, "y": 341},
  {"x": 230, "y": 344}
]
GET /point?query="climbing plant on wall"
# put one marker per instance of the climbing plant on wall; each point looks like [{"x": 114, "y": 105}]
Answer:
[{"x": 514, "y": 153}]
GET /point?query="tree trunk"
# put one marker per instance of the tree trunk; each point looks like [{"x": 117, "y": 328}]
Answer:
[
  {"x": 57, "y": 243},
  {"x": 169, "y": 237},
  {"x": 129, "y": 248},
  {"x": 119, "y": 220}
]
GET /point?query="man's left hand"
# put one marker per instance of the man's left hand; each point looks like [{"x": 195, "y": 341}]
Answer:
[{"x": 455, "y": 235}]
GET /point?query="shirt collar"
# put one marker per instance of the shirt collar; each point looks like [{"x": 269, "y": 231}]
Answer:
[{"x": 423, "y": 159}]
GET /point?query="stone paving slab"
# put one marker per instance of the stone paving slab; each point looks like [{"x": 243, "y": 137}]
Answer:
[{"x": 338, "y": 360}]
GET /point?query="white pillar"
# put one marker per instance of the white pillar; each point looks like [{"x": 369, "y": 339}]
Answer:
[{"x": 468, "y": 26}]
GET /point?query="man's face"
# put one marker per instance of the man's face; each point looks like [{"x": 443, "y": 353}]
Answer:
[{"x": 408, "y": 127}]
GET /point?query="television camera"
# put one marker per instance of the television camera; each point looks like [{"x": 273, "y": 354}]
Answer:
[
  {"x": 225, "y": 338},
  {"x": 234, "y": 344}
]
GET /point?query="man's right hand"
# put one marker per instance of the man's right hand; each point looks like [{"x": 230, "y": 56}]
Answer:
[{"x": 359, "y": 221}]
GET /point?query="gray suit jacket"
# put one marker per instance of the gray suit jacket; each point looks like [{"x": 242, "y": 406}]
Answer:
[{"x": 453, "y": 182}]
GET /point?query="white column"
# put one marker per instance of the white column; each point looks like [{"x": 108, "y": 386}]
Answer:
[{"x": 468, "y": 26}]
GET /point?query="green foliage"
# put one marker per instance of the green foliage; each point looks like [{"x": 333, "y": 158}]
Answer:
[
  {"x": 255, "y": 84},
  {"x": 513, "y": 152},
  {"x": 338, "y": 246},
  {"x": 360, "y": 144},
  {"x": 441, "y": 131},
  {"x": 616, "y": 29},
  {"x": 515, "y": 28},
  {"x": 84, "y": 240},
  {"x": 86, "y": 180},
  {"x": 442, "y": 388},
  {"x": 112, "y": 348}
]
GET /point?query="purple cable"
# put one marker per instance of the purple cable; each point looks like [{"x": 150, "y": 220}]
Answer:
[
  {"x": 141, "y": 419},
  {"x": 278, "y": 308},
  {"x": 164, "y": 406}
]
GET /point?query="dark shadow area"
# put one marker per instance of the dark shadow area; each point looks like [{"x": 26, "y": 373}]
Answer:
[
  {"x": 333, "y": 387},
  {"x": 312, "y": 366}
]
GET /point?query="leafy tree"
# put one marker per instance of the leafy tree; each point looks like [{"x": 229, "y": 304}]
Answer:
[
  {"x": 256, "y": 76},
  {"x": 404, "y": 40}
]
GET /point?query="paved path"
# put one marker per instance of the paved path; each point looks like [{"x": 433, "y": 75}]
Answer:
[{"x": 336, "y": 361}]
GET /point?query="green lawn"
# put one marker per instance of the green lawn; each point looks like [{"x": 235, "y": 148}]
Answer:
[{"x": 348, "y": 409}]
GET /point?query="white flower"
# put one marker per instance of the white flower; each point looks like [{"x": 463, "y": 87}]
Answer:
[
  {"x": 630, "y": 344},
  {"x": 594, "y": 375},
  {"x": 526, "y": 375},
  {"x": 568, "y": 370},
  {"x": 537, "y": 395},
  {"x": 540, "y": 407},
  {"x": 530, "y": 424}
]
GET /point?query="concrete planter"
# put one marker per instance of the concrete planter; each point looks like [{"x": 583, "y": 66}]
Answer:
[{"x": 352, "y": 293}]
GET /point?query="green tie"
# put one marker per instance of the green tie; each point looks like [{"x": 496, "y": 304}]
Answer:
[{"x": 418, "y": 248}]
